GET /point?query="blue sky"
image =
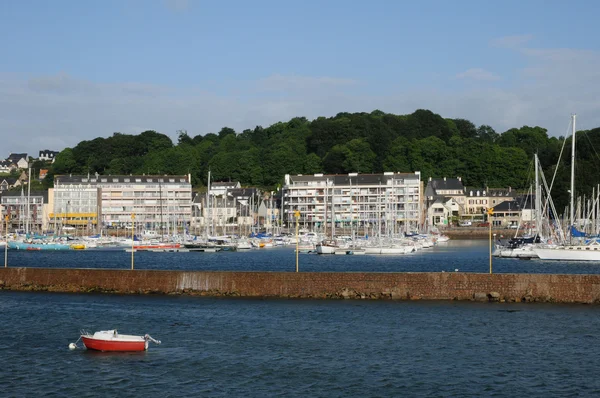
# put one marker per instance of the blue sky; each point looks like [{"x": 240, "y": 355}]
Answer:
[{"x": 75, "y": 70}]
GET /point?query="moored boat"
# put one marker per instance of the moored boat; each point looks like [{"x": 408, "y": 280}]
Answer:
[
  {"x": 37, "y": 246},
  {"x": 327, "y": 247},
  {"x": 111, "y": 340}
]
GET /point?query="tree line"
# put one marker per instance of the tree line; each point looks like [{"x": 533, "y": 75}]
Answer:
[{"x": 348, "y": 142}]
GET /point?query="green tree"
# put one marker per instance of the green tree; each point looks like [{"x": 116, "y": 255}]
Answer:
[
  {"x": 466, "y": 128},
  {"x": 358, "y": 157},
  {"x": 65, "y": 162}
]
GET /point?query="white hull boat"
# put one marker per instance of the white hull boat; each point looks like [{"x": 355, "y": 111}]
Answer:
[{"x": 589, "y": 252}]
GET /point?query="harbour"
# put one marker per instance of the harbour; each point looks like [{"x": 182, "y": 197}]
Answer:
[
  {"x": 456, "y": 270},
  {"x": 251, "y": 347}
]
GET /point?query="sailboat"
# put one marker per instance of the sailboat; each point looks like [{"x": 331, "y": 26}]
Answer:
[
  {"x": 328, "y": 246},
  {"x": 522, "y": 247},
  {"x": 586, "y": 251}
]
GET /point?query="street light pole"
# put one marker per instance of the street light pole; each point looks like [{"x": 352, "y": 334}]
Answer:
[
  {"x": 132, "y": 237},
  {"x": 297, "y": 215},
  {"x": 490, "y": 212},
  {"x": 6, "y": 245}
]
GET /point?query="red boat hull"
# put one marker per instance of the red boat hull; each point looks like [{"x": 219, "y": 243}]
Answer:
[
  {"x": 106, "y": 345},
  {"x": 159, "y": 246}
]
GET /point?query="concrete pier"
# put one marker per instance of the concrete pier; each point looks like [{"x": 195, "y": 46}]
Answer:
[{"x": 318, "y": 285}]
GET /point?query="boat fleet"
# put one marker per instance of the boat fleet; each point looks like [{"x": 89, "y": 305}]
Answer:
[
  {"x": 389, "y": 245},
  {"x": 546, "y": 238},
  {"x": 306, "y": 242}
]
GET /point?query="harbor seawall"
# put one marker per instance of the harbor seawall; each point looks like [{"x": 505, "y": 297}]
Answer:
[{"x": 560, "y": 288}]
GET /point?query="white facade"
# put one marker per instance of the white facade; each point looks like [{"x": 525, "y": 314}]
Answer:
[
  {"x": 48, "y": 155},
  {"x": 110, "y": 201},
  {"x": 389, "y": 201},
  {"x": 220, "y": 188},
  {"x": 440, "y": 212}
]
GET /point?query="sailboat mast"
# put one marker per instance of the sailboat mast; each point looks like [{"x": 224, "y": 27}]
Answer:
[
  {"x": 28, "y": 196},
  {"x": 160, "y": 203},
  {"x": 538, "y": 198},
  {"x": 572, "y": 196},
  {"x": 207, "y": 205}
]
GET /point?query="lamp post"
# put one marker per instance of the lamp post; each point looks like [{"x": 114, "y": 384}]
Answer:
[
  {"x": 490, "y": 211},
  {"x": 297, "y": 215},
  {"x": 132, "y": 237},
  {"x": 6, "y": 245}
]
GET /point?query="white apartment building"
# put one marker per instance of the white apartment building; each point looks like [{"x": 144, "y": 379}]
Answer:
[
  {"x": 390, "y": 201},
  {"x": 109, "y": 201}
]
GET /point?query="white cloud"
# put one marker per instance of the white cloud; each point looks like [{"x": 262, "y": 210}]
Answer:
[{"x": 478, "y": 74}]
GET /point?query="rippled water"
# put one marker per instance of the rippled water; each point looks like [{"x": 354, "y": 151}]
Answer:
[
  {"x": 239, "y": 347},
  {"x": 464, "y": 255}
]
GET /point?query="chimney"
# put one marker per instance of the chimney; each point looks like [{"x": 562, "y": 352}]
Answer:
[
  {"x": 444, "y": 178},
  {"x": 459, "y": 179},
  {"x": 429, "y": 178}
]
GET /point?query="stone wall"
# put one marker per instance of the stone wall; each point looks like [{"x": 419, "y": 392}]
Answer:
[{"x": 323, "y": 285}]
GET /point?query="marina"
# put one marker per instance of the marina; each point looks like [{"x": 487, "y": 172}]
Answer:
[{"x": 452, "y": 256}]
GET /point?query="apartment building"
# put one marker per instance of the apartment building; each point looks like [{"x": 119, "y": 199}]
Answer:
[
  {"x": 390, "y": 201},
  {"x": 25, "y": 212},
  {"x": 478, "y": 200},
  {"x": 109, "y": 201},
  {"x": 233, "y": 207}
]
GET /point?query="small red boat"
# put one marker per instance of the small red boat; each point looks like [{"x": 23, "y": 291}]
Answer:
[{"x": 111, "y": 340}]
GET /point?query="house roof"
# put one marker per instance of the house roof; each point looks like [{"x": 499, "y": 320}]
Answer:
[
  {"x": 49, "y": 152},
  {"x": 507, "y": 205},
  {"x": 446, "y": 183},
  {"x": 490, "y": 192},
  {"x": 502, "y": 192},
  {"x": 15, "y": 157},
  {"x": 440, "y": 184},
  {"x": 224, "y": 184},
  {"x": 37, "y": 194},
  {"x": 354, "y": 178},
  {"x": 107, "y": 179}
]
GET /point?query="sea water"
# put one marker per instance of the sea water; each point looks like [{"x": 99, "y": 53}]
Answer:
[
  {"x": 298, "y": 348},
  {"x": 453, "y": 256}
]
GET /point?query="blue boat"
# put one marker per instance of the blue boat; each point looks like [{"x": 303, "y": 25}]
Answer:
[{"x": 38, "y": 246}]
